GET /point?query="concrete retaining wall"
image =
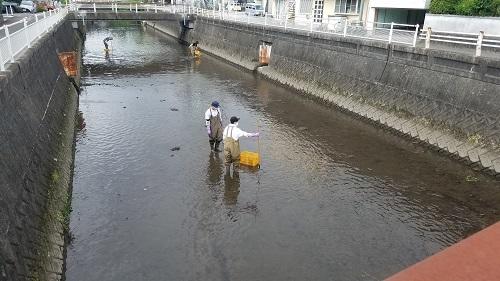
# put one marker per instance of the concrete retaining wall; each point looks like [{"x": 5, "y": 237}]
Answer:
[
  {"x": 37, "y": 109},
  {"x": 490, "y": 25},
  {"x": 447, "y": 100}
]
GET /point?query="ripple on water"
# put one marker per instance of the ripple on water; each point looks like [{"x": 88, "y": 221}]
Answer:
[{"x": 332, "y": 197}]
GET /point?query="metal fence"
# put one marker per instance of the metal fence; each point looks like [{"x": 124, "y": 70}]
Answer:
[
  {"x": 21, "y": 35},
  {"x": 386, "y": 32},
  {"x": 478, "y": 40}
]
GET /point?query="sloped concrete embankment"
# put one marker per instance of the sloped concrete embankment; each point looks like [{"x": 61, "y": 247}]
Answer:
[
  {"x": 37, "y": 118},
  {"x": 448, "y": 101}
]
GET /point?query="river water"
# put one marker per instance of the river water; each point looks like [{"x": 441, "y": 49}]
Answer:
[{"x": 336, "y": 198}]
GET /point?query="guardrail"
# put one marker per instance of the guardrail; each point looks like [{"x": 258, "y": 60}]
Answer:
[
  {"x": 479, "y": 40},
  {"x": 386, "y": 32},
  {"x": 21, "y": 35}
]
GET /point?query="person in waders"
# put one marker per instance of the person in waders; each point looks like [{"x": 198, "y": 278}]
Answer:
[
  {"x": 105, "y": 41},
  {"x": 232, "y": 134},
  {"x": 213, "y": 121}
]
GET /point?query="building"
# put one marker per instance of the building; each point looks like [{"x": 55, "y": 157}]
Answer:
[
  {"x": 397, "y": 11},
  {"x": 364, "y": 11}
]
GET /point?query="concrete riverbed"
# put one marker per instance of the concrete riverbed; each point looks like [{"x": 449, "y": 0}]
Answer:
[{"x": 336, "y": 198}]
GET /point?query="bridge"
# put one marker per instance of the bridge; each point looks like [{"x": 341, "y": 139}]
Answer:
[{"x": 134, "y": 12}]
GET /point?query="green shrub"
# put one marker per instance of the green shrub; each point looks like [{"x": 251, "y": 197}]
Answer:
[
  {"x": 466, "y": 7},
  {"x": 443, "y": 6}
]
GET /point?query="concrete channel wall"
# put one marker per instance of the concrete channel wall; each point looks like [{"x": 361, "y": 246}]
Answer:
[
  {"x": 37, "y": 118},
  {"x": 467, "y": 24},
  {"x": 446, "y": 100}
]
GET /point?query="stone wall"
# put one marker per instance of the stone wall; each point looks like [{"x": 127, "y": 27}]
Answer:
[{"x": 37, "y": 111}]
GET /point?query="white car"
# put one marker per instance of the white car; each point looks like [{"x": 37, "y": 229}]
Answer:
[
  {"x": 253, "y": 9},
  {"x": 28, "y": 6}
]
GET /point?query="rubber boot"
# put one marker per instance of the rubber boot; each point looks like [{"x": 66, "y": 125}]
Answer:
[{"x": 216, "y": 148}]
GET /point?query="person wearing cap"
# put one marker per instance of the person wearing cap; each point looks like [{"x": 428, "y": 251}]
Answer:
[
  {"x": 213, "y": 122},
  {"x": 231, "y": 135}
]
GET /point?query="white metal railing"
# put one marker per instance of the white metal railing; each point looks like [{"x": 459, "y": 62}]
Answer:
[
  {"x": 21, "y": 35},
  {"x": 479, "y": 40},
  {"x": 387, "y": 32}
]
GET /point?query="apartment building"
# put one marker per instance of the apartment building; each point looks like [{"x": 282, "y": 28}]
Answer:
[{"x": 363, "y": 11}]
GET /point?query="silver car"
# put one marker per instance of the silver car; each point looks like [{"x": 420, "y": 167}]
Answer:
[
  {"x": 28, "y": 6},
  {"x": 254, "y": 9}
]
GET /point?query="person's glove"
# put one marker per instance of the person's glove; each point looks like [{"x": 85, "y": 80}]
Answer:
[{"x": 209, "y": 131}]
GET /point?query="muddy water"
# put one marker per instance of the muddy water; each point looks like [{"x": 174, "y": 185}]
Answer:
[{"x": 336, "y": 199}]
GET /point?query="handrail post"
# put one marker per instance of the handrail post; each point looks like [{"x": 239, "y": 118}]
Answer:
[
  {"x": 415, "y": 36},
  {"x": 136, "y": 8},
  {"x": 391, "y": 32},
  {"x": 25, "y": 22},
  {"x": 479, "y": 43},
  {"x": 312, "y": 23},
  {"x": 265, "y": 19},
  {"x": 2, "y": 65},
  {"x": 428, "y": 38},
  {"x": 95, "y": 10},
  {"x": 345, "y": 28},
  {"x": 9, "y": 44},
  {"x": 38, "y": 26},
  {"x": 45, "y": 21},
  {"x": 156, "y": 9},
  {"x": 130, "y": 7}
]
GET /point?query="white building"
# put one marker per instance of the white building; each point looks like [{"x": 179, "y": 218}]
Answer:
[
  {"x": 397, "y": 11},
  {"x": 366, "y": 11}
]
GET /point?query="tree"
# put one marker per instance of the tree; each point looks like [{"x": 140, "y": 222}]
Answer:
[
  {"x": 466, "y": 7},
  {"x": 443, "y": 6}
]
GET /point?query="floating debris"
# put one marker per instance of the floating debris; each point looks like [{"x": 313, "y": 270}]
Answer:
[
  {"x": 124, "y": 107},
  {"x": 177, "y": 148},
  {"x": 162, "y": 100},
  {"x": 470, "y": 178},
  {"x": 174, "y": 109},
  {"x": 302, "y": 128}
]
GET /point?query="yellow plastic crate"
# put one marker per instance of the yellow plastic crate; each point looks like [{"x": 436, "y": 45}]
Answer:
[{"x": 249, "y": 158}]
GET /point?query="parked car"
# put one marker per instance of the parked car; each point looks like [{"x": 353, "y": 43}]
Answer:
[
  {"x": 234, "y": 6},
  {"x": 253, "y": 9},
  {"x": 28, "y": 6},
  {"x": 11, "y": 5}
]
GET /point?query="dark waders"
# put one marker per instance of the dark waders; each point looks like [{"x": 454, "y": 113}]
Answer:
[
  {"x": 231, "y": 150},
  {"x": 216, "y": 129}
]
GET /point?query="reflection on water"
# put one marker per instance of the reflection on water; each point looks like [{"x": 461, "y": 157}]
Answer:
[{"x": 335, "y": 198}]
